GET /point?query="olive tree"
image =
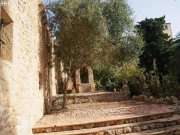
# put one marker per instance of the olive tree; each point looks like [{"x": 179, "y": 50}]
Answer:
[
  {"x": 92, "y": 31},
  {"x": 80, "y": 32}
]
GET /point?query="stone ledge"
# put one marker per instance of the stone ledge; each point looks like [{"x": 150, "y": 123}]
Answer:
[
  {"x": 104, "y": 123},
  {"x": 174, "y": 130},
  {"x": 90, "y": 97}
]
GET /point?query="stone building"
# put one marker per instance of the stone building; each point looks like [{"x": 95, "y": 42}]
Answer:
[
  {"x": 27, "y": 83},
  {"x": 24, "y": 73},
  {"x": 88, "y": 85},
  {"x": 76, "y": 84},
  {"x": 168, "y": 30}
]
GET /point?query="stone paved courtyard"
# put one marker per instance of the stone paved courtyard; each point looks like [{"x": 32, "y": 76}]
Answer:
[{"x": 90, "y": 112}]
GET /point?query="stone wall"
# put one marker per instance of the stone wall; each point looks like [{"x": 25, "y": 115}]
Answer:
[
  {"x": 21, "y": 96},
  {"x": 85, "y": 87},
  {"x": 80, "y": 98},
  {"x": 8, "y": 113},
  {"x": 7, "y": 35}
]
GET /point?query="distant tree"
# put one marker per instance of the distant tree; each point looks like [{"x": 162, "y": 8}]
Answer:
[
  {"x": 156, "y": 46},
  {"x": 125, "y": 42},
  {"x": 118, "y": 19},
  {"x": 174, "y": 63}
]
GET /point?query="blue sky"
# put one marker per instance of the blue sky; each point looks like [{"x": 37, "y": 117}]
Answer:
[{"x": 157, "y": 8}]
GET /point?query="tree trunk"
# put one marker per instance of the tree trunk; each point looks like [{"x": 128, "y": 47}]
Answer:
[{"x": 65, "y": 93}]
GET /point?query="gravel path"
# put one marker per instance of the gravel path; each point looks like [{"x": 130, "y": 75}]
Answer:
[{"x": 88, "y": 112}]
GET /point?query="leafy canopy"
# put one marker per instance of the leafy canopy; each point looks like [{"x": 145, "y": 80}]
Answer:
[
  {"x": 156, "y": 45},
  {"x": 118, "y": 19},
  {"x": 174, "y": 63},
  {"x": 123, "y": 41},
  {"x": 93, "y": 31},
  {"x": 80, "y": 32}
]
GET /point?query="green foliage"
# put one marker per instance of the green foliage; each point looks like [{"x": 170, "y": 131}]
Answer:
[
  {"x": 78, "y": 26},
  {"x": 101, "y": 34},
  {"x": 80, "y": 32},
  {"x": 130, "y": 71},
  {"x": 174, "y": 64},
  {"x": 106, "y": 79},
  {"x": 128, "y": 51},
  {"x": 118, "y": 19},
  {"x": 105, "y": 29},
  {"x": 171, "y": 86},
  {"x": 124, "y": 41},
  {"x": 112, "y": 77},
  {"x": 156, "y": 46}
]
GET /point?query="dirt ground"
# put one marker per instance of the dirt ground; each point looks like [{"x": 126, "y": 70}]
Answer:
[{"x": 89, "y": 112}]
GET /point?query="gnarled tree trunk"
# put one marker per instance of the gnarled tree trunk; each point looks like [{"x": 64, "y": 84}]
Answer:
[{"x": 65, "y": 92}]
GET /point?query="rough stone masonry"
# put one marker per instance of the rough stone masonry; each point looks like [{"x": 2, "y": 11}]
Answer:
[{"x": 23, "y": 67}]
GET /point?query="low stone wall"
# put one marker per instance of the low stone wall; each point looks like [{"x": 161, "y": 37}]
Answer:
[
  {"x": 167, "y": 100},
  {"x": 90, "y": 97}
]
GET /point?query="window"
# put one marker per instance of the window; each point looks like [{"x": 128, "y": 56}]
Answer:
[
  {"x": 165, "y": 27},
  {"x": 6, "y": 35},
  {"x": 84, "y": 75}
]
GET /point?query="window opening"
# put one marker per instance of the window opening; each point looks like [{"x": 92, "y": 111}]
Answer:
[{"x": 1, "y": 36}]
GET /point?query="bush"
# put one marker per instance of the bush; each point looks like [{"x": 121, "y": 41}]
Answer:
[
  {"x": 136, "y": 86},
  {"x": 106, "y": 79},
  {"x": 139, "y": 83},
  {"x": 112, "y": 78},
  {"x": 171, "y": 86}
]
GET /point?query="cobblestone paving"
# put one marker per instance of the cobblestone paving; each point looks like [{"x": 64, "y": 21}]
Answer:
[{"x": 89, "y": 112}]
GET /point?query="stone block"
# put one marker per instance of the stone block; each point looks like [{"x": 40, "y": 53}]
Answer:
[
  {"x": 119, "y": 131},
  {"x": 177, "y": 133},
  {"x": 151, "y": 126},
  {"x": 136, "y": 129},
  {"x": 144, "y": 127},
  {"x": 110, "y": 132},
  {"x": 127, "y": 130}
]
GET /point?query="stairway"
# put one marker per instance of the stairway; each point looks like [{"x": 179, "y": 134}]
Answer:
[
  {"x": 111, "y": 118},
  {"x": 159, "y": 126}
]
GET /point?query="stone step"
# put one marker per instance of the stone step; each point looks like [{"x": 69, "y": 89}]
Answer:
[
  {"x": 106, "y": 122},
  {"x": 80, "y": 98},
  {"x": 173, "y": 130},
  {"x": 151, "y": 126}
]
